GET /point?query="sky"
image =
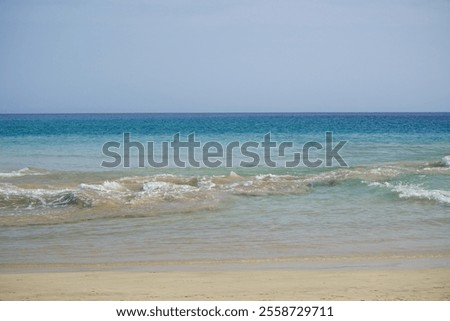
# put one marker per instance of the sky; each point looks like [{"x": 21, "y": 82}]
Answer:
[{"x": 224, "y": 56}]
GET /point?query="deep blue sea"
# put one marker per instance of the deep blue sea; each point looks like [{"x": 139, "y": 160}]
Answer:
[{"x": 390, "y": 203}]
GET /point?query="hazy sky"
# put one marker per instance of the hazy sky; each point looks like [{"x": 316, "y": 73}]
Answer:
[{"x": 224, "y": 55}]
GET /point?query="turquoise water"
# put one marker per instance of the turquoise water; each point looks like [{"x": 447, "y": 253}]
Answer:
[{"x": 59, "y": 205}]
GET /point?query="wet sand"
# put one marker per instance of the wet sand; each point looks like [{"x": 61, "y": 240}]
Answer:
[{"x": 247, "y": 284}]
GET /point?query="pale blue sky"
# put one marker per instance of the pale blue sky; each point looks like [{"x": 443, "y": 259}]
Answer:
[{"x": 224, "y": 55}]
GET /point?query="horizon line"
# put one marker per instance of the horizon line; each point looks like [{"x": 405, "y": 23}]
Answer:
[{"x": 228, "y": 113}]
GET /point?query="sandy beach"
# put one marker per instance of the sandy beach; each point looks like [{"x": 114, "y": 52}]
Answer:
[
  {"x": 405, "y": 284},
  {"x": 377, "y": 229}
]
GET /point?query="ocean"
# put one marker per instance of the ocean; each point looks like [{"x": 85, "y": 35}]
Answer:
[{"x": 388, "y": 205}]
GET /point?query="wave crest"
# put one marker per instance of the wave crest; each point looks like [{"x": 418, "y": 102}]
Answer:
[
  {"x": 15, "y": 197},
  {"x": 415, "y": 191},
  {"x": 22, "y": 172}
]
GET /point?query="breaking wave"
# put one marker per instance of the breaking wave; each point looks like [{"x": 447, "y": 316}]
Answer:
[
  {"x": 72, "y": 195},
  {"x": 415, "y": 191},
  {"x": 22, "y": 172},
  {"x": 137, "y": 191},
  {"x": 446, "y": 161},
  {"x": 16, "y": 197}
]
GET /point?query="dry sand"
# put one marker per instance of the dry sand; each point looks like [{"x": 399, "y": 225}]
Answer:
[{"x": 406, "y": 284}]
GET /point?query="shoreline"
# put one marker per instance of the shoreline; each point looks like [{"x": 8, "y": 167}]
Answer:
[
  {"x": 384, "y": 277},
  {"x": 248, "y": 284},
  {"x": 388, "y": 261}
]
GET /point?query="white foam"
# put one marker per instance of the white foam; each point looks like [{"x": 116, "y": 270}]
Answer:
[
  {"x": 164, "y": 187},
  {"x": 21, "y": 172},
  {"x": 107, "y": 186},
  {"x": 156, "y": 186},
  {"x": 374, "y": 184},
  {"x": 233, "y": 174},
  {"x": 206, "y": 183},
  {"x": 11, "y": 190},
  {"x": 36, "y": 196},
  {"x": 415, "y": 191},
  {"x": 262, "y": 176},
  {"x": 384, "y": 171},
  {"x": 112, "y": 185},
  {"x": 446, "y": 161},
  {"x": 271, "y": 177}
]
